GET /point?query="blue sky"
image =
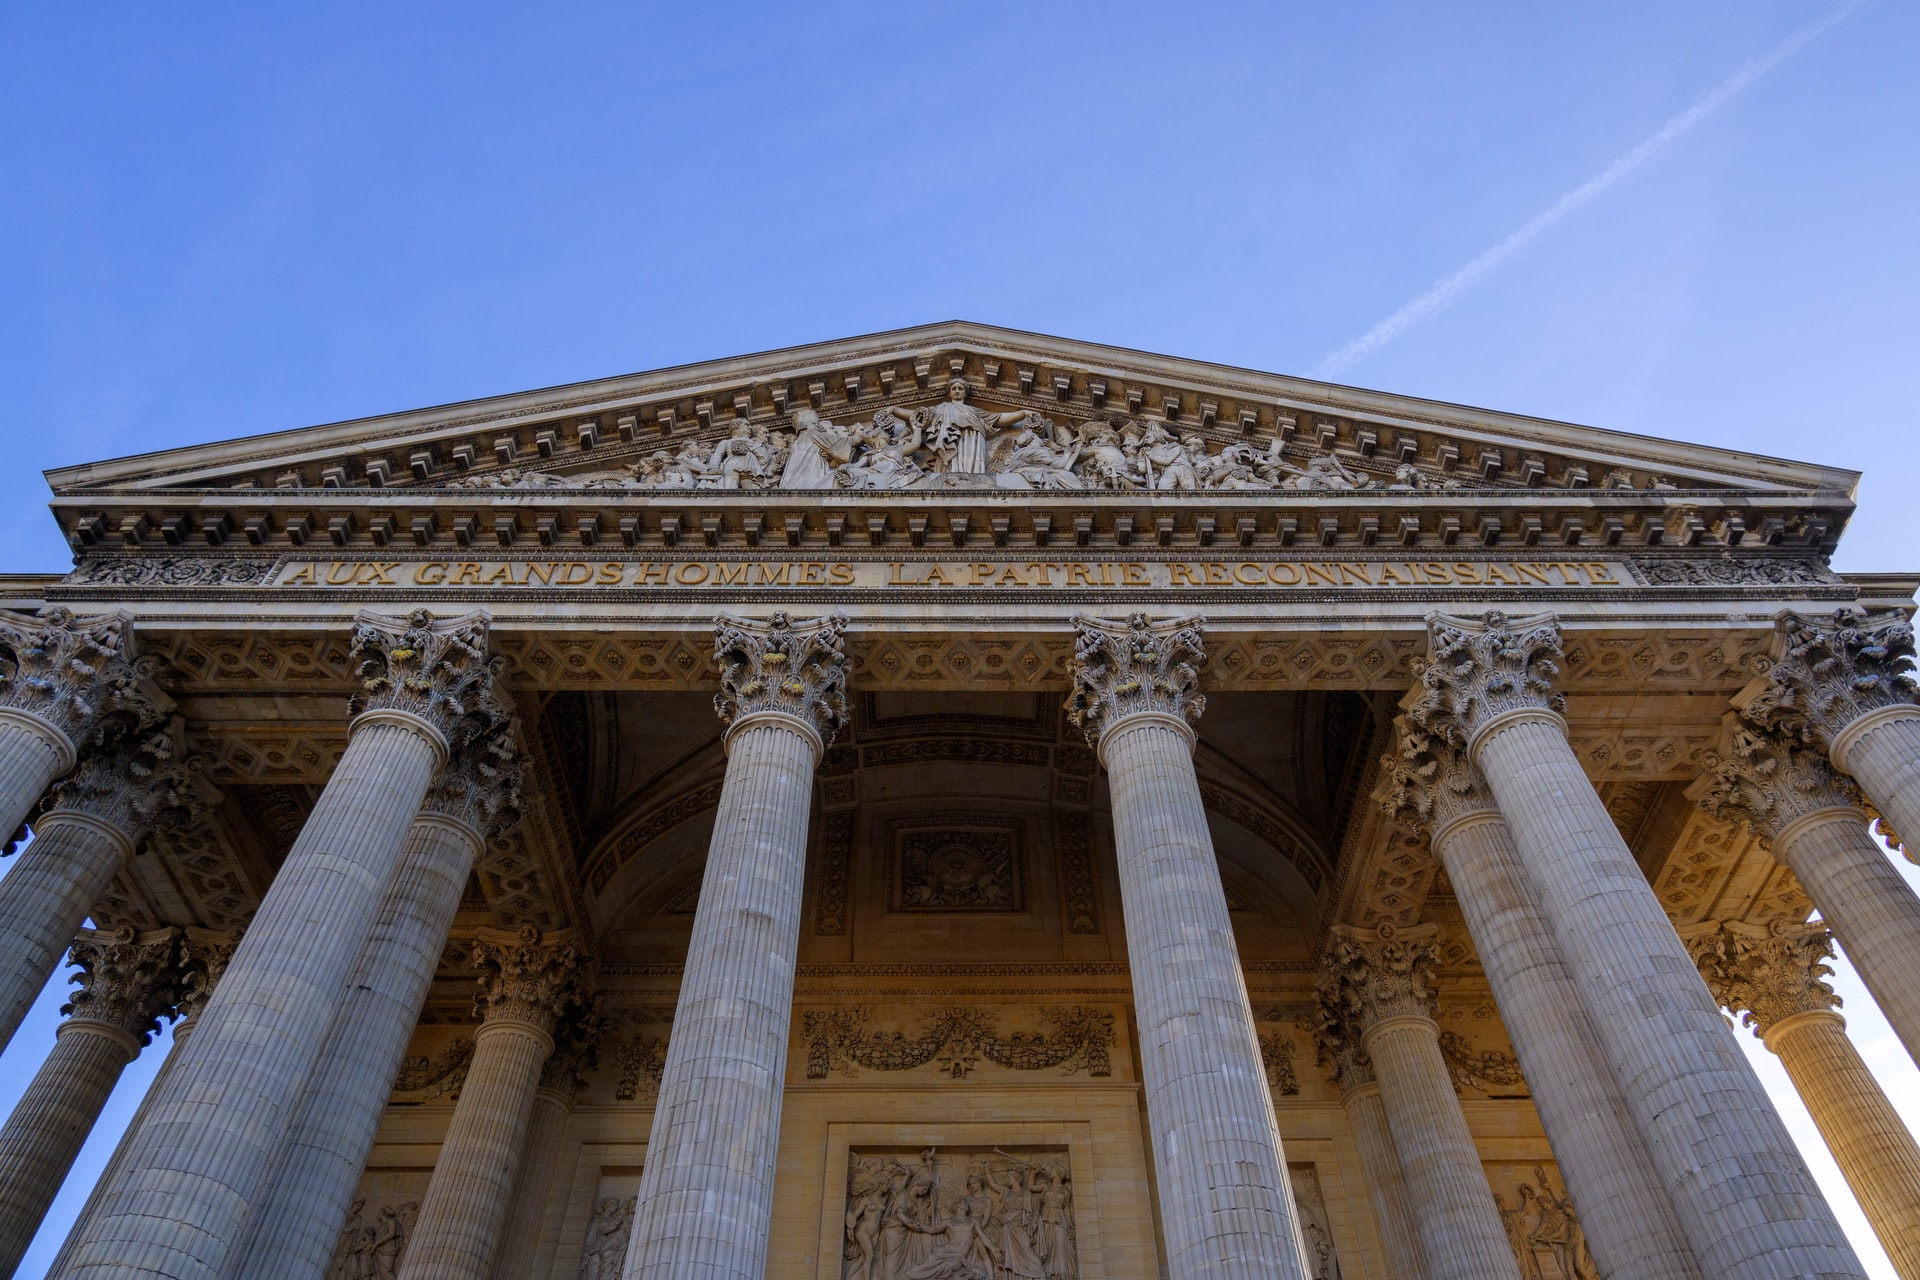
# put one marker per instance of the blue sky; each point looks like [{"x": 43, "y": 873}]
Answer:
[{"x": 224, "y": 220}]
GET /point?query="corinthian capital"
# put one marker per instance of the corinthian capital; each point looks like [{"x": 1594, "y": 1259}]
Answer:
[
  {"x": 1337, "y": 1044},
  {"x": 434, "y": 669},
  {"x": 127, "y": 980},
  {"x": 1769, "y": 781},
  {"x": 1766, "y": 974},
  {"x": 204, "y": 956},
  {"x": 1478, "y": 669},
  {"x": 1122, "y": 669},
  {"x": 785, "y": 667},
  {"x": 1826, "y": 674},
  {"x": 70, "y": 670},
  {"x": 529, "y": 976},
  {"x": 136, "y": 784},
  {"x": 479, "y": 787},
  {"x": 576, "y": 1049},
  {"x": 1426, "y": 783},
  {"x": 1370, "y": 975}
]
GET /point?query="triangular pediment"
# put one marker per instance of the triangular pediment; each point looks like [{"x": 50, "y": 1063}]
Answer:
[{"x": 1245, "y": 429}]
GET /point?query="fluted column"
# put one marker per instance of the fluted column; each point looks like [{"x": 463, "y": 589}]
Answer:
[
  {"x": 1376, "y": 986},
  {"x": 1743, "y": 1195},
  {"x": 1352, "y": 1071},
  {"x": 1812, "y": 816},
  {"x": 293, "y": 1233},
  {"x": 576, "y": 1046},
  {"x": 1847, "y": 684},
  {"x": 1225, "y": 1200},
  {"x": 128, "y": 982},
  {"x": 1774, "y": 977},
  {"x": 200, "y": 1160},
  {"x": 58, "y": 674},
  {"x": 1630, "y": 1225},
  {"x": 203, "y": 956},
  {"x": 705, "y": 1203},
  {"x": 528, "y": 983},
  {"x": 126, "y": 787}
]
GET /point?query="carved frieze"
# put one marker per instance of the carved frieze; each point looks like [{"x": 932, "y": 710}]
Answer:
[
  {"x": 1276, "y": 1056},
  {"x": 431, "y": 1076},
  {"x": 830, "y": 906},
  {"x": 955, "y": 1039},
  {"x": 1079, "y": 889},
  {"x": 175, "y": 571},
  {"x": 1481, "y": 1070},
  {"x": 1545, "y": 1233},
  {"x": 373, "y": 1242}
]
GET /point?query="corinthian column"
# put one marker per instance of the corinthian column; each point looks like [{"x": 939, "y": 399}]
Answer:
[
  {"x": 1774, "y": 978},
  {"x": 1225, "y": 1201},
  {"x": 293, "y": 1233},
  {"x": 706, "y": 1192},
  {"x": 1428, "y": 786},
  {"x": 1378, "y": 986},
  {"x": 1352, "y": 1071},
  {"x": 576, "y": 1045},
  {"x": 1848, "y": 685},
  {"x": 528, "y": 982},
  {"x": 1743, "y": 1196},
  {"x": 1812, "y": 817},
  {"x": 58, "y": 673},
  {"x": 128, "y": 982},
  {"x": 200, "y": 1160},
  {"x": 125, "y": 789},
  {"x": 203, "y": 957}
]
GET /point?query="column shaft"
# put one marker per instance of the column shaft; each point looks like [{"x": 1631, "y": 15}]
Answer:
[
  {"x": 293, "y": 1233},
  {"x": 706, "y": 1193},
  {"x": 1386, "y": 1185},
  {"x": 1743, "y": 1196},
  {"x": 466, "y": 1202},
  {"x": 50, "y": 1124},
  {"x": 44, "y": 899},
  {"x": 1868, "y": 904},
  {"x": 200, "y": 1161},
  {"x": 1461, "y": 1237},
  {"x": 527, "y": 1211},
  {"x": 32, "y": 754},
  {"x": 1869, "y": 1143},
  {"x": 1884, "y": 757},
  {"x": 1629, "y": 1221},
  {"x": 1225, "y": 1199}
]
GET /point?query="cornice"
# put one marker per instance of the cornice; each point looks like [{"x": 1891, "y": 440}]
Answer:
[{"x": 915, "y": 353}]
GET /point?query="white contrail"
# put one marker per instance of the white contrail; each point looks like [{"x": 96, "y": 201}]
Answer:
[{"x": 1446, "y": 290}]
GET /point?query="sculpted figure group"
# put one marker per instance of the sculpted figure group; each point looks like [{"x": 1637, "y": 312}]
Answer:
[
  {"x": 371, "y": 1250},
  {"x": 953, "y": 444},
  {"x": 999, "y": 1217}
]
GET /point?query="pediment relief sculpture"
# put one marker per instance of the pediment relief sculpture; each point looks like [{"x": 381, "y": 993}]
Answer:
[{"x": 954, "y": 444}]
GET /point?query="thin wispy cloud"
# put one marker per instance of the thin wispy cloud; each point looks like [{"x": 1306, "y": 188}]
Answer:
[{"x": 1451, "y": 287}]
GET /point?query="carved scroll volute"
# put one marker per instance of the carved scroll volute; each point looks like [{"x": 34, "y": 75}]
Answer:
[
  {"x": 1766, "y": 974},
  {"x": 127, "y": 981},
  {"x": 1769, "y": 781},
  {"x": 1426, "y": 783},
  {"x": 1827, "y": 674},
  {"x": 428, "y": 670},
  {"x": 1479, "y": 671},
  {"x": 1136, "y": 667},
  {"x": 52, "y": 665},
  {"x": 784, "y": 667},
  {"x": 137, "y": 784}
]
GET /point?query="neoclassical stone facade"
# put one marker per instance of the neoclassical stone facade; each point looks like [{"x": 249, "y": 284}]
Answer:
[{"x": 957, "y": 805}]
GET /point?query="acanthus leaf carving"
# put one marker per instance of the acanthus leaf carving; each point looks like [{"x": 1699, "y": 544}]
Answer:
[
  {"x": 1140, "y": 665},
  {"x": 1769, "y": 781},
  {"x": 58, "y": 666},
  {"x": 435, "y": 668},
  {"x": 529, "y": 976},
  {"x": 796, "y": 668},
  {"x": 1426, "y": 783},
  {"x": 128, "y": 981},
  {"x": 139, "y": 785},
  {"x": 1370, "y": 975},
  {"x": 1766, "y": 973},
  {"x": 1827, "y": 673},
  {"x": 1480, "y": 668}
]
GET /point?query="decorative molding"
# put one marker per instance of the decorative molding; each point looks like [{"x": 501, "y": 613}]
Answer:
[
  {"x": 831, "y": 913},
  {"x": 957, "y": 1038},
  {"x": 943, "y": 749},
  {"x": 1079, "y": 883},
  {"x": 174, "y": 571}
]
